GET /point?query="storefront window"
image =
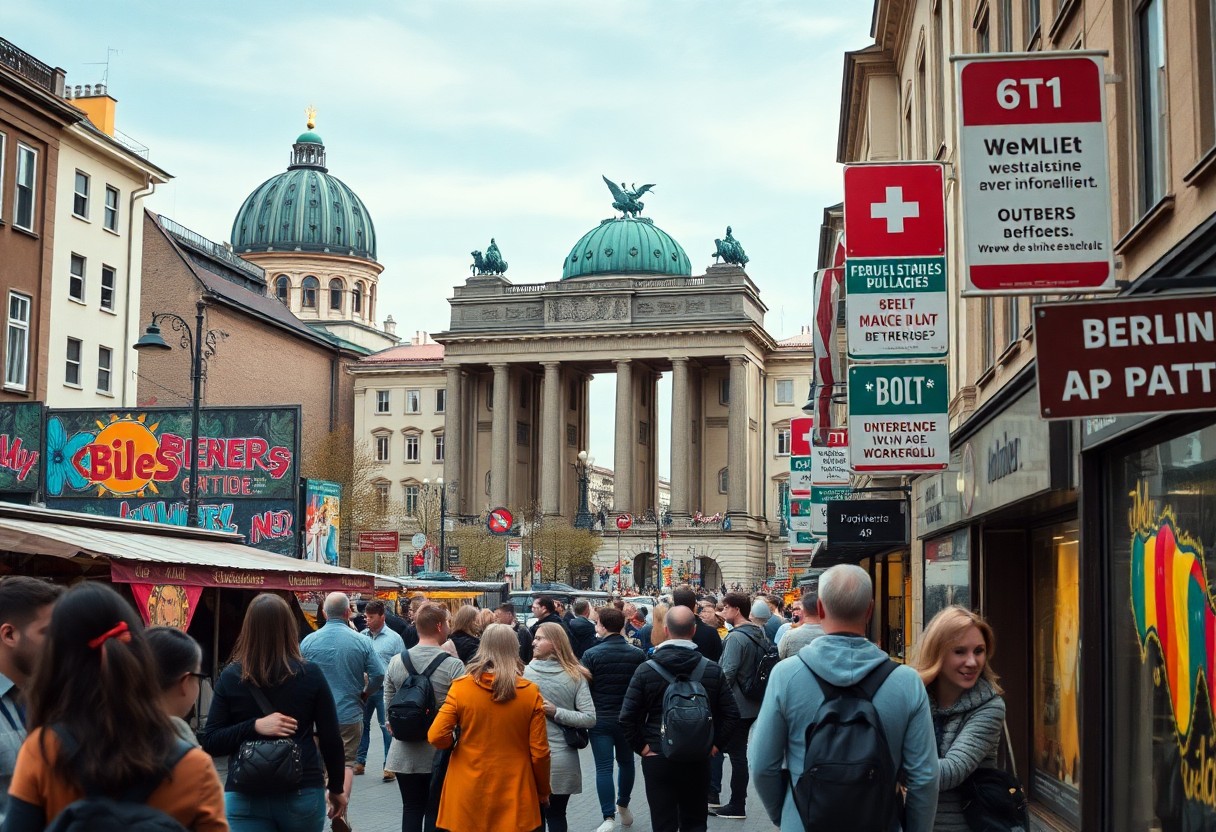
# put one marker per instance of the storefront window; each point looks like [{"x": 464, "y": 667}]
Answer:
[
  {"x": 1056, "y": 759},
  {"x": 947, "y": 573},
  {"x": 1162, "y": 521}
]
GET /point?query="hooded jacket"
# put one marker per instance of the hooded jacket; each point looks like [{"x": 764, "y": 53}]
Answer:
[{"x": 778, "y": 740}]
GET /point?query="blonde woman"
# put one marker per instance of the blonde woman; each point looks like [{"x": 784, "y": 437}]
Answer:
[
  {"x": 498, "y": 776},
  {"x": 466, "y": 632},
  {"x": 563, "y": 682},
  {"x": 968, "y": 711},
  {"x": 485, "y": 618},
  {"x": 658, "y": 627}
]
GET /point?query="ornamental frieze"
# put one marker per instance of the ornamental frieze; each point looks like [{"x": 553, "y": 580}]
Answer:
[{"x": 585, "y": 309}]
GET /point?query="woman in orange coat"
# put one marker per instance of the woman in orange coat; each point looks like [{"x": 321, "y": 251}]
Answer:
[{"x": 498, "y": 776}]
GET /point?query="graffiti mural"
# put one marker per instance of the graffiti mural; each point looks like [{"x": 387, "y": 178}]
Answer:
[{"x": 20, "y": 446}]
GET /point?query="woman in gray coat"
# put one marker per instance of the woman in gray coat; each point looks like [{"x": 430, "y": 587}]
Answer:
[
  {"x": 563, "y": 684},
  {"x": 965, "y": 699}
]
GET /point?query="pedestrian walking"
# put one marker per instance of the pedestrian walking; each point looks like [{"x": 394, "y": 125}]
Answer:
[
  {"x": 773, "y": 621},
  {"x": 387, "y": 644},
  {"x": 676, "y": 782},
  {"x": 351, "y": 667},
  {"x": 414, "y": 761},
  {"x": 888, "y": 711},
  {"x": 544, "y": 608},
  {"x": 177, "y": 658},
  {"x": 498, "y": 777},
  {"x": 612, "y": 663},
  {"x": 505, "y": 614},
  {"x": 954, "y": 662},
  {"x": 97, "y": 728},
  {"x": 806, "y": 630},
  {"x": 466, "y": 632},
  {"x": 25, "y": 616},
  {"x": 563, "y": 683},
  {"x": 267, "y": 693},
  {"x": 582, "y": 628},
  {"x": 708, "y": 642}
]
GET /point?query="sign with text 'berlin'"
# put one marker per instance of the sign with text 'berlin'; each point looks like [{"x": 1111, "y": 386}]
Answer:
[
  {"x": 1034, "y": 175},
  {"x": 1127, "y": 356},
  {"x": 898, "y": 418}
]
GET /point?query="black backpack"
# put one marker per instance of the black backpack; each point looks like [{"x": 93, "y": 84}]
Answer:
[
  {"x": 129, "y": 813},
  {"x": 413, "y": 709},
  {"x": 687, "y": 727},
  {"x": 850, "y": 778},
  {"x": 752, "y": 685}
]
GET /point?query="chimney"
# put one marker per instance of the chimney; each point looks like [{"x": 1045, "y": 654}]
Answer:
[
  {"x": 390, "y": 326},
  {"x": 97, "y": 104}
]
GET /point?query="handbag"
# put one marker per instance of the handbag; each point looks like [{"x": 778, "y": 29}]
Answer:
[
  {"x": 262, "y": 766},
  {"x": 993, "y": 798},
  {"x": 576, "y": 737}
]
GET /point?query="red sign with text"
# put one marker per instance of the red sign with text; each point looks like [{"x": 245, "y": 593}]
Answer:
[{"x": 385, "y": 542}]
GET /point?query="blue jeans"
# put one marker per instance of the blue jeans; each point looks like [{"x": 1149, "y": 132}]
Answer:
[
  {"x": 298, "y": 811},
  {"x": 373, "y": 705},
  {"x": 605, "y": 741}
]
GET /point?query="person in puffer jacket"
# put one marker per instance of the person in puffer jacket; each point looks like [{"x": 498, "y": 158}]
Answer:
[{"x": 954, "y": 662}]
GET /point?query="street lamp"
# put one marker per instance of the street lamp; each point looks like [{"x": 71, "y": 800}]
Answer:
[
  {"x": 443, "y": 510},
  {"x": 582, "y": 518},
  {"x": 202, "y": 346}
]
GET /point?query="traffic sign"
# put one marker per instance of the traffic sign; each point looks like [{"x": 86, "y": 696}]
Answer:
[
  {"x": 624, "y": 521},
  {"x": 418, "y": 540},
  {"x": 1034, "y": 174},
  {"x": 898, "y": 418},
  {"x": 499, "y": 521},
  {"x": 894, "y": 210}
]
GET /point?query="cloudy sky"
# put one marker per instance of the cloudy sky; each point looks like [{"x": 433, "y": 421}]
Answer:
[{"x": 458, "y": 120}]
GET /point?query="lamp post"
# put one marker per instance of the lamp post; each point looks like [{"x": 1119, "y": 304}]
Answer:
[
  {"x": 582, "y": 518},
  {"x": 443, "y": 510},
  {"x": 202, "y": 345}
]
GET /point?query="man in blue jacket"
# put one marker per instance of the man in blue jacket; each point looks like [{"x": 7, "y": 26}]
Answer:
[{"x": 842, "y": 657}]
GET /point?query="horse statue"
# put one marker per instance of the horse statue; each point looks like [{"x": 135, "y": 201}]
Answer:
[
  {"x": 626, "y": 200},
  {"x": 729, "y": 250},
  {"x": 491, "y": 262}
]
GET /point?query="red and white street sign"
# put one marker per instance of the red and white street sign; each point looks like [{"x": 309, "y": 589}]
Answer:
[
  {"x": 1033, "y": 174},
  {"x": 624, "y": 521},
  {"x": 499, "y": 521},
  {"x": 801, "y": 430},
  {"x": 894, "y": 210}
]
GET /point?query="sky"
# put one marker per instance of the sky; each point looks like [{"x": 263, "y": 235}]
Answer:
[{"x": 460, "y": 120}]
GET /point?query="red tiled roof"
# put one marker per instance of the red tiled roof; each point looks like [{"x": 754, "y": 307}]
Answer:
[
  {"x": 802, "y": 339},
  {"x": 406, "y": 354}
]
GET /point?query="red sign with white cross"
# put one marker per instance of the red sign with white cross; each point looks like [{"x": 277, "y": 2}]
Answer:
[
  {"x": 801, "y": 428},
  {"x": 894, "y": 210}
]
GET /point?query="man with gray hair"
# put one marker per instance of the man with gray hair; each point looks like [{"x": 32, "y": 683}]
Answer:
[
  {"x": 805, "y": 631},
  {"x": 839, "y": 664},
  {"x": 352, "y": 669}
]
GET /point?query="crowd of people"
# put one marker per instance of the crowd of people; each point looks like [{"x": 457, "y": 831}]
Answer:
[{"x": 483, "y": 716}]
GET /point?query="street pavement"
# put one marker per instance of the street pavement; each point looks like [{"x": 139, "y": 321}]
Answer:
[{"x": 376, "y": 805}]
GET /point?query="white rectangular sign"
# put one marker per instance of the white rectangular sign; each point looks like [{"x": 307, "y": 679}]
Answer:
[
  {"x": 898, "y": 418},
  {"x": 896, "y": 308},
  {"x": 831, "y": 459}
]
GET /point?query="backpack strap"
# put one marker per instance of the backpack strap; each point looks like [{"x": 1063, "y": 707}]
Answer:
[
  {"x": 409, "y": 666},
  {"x": 260, "y": 697},
  {"x": 434, "y": 665},
  {"x": 699, "y": 670},
  {"x": 662, "y": 671},
  {"x": 140, "y": 792}
]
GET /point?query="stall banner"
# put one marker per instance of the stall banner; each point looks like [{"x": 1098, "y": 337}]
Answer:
[
  {"x": 322, "y": 520},
  {"x": 224, "y": 577},
  {"x": 136, "y": 464},
  {"x": 898, "y": 418},
  {"x": 20, "y": 446},
  {"x": 166, "y": 605}
]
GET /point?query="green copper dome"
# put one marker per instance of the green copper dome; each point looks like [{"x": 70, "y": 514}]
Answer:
[
  {"x": 305, "y": 209},
  {"x": 626, "y": 245}
]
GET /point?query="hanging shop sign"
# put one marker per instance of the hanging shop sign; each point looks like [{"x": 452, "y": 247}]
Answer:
[
  {"x": 515, "y": 556},
  {"x": 898, "y": 418},
  {"x": 1034, "y": 175},
  {"x": 831, "y": 476},
  {"x": 882, "y": 522},
  {"x": 1127, "y": 356},
  {"x": 20, "y": 446},
  {"x": 802, "y": 430},
  {"x": 894, "y": 210},
  {"x": 820, "y": 497},
  {"x": 800, "y": 514}
]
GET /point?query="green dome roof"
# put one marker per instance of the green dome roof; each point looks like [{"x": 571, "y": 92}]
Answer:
[
  {"x": 305, "y": 209},
  {"x": 626, "y": 245}
]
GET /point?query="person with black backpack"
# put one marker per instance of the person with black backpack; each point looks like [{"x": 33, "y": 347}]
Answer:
[
  {"x": 678, "y": 712},
  {"x": 840, "y": 723},
  {"x": 413, "y": 694}
]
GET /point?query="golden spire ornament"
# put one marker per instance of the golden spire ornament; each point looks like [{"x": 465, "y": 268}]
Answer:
[{"x": 311, "y": 112}]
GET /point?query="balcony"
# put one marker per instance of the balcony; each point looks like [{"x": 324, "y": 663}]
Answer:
[{"x": 31, "y": 69}]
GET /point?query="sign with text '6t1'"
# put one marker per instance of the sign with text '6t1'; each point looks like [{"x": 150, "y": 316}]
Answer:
[
  {"x": 898, "y": 418},
  {"x": 1033, "y": 174}
]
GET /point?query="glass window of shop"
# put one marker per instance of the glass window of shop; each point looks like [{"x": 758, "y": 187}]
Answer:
[
  {"x": 1160, "y": 525},
  {"x": 947, "y": 573},
  {"x": 1056, "y": 650}
]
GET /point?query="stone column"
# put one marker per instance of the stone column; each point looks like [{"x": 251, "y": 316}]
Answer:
[
  {"x": 453, "y": 437},
  {"x": 622, "y": 490},
  {"x": 681, "y": 436},
  {"x": 551, "y": 440},
  {"x": 736, "y": 437},
  {"x": 500, "y": 436}
]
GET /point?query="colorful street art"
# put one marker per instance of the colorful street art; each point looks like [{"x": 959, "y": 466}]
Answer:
[
  {"x": 322, "y": 520},
  {"x": 20, "y": 446}
]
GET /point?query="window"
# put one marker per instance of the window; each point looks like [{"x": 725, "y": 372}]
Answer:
[
  {"x": 523, "y": 434},
  {"x": 947, "y": 573},
  {"x": 411, "y": 448},
  {"x": 939, "y": 78},
  {"x": 922, "y": 110},
  {"x": 76, "y": 278},
  {"x": 1013, "y": 314},
  {"x": 71, "y": 367},
  {"x": 989, "y": 326},
  {"x": 411, "y": 500},
  {"x": 571, "y": 435},
  {"x": 109, "y": 280},
  {"x": 1151, "y": 114},
  {"x": 382, "y": 402},
  {"x": 282, "y": 288},
  {"x": 356, "y": 299},
  {"x": 382, "y": 495},
  {"x": 441, "y": 400},
  {"x": 111, "y": 218},
  {"x": 723, "y": 480},
  {"x": 382, "y": 448},
  {"x": 1205, "y": 23},
  {"x": 785, "y": 391},
  {"x": 308, "y": 292},
  {"x": 413, "y": 401},
  {"x": 724, "y": 391},
  {"x": 335, "y": 295},
  {"x": 1006, "y": 24},
  {"x": 643, "y": 433},
  {"x": 783, "y": 441},
  {"x": 105, "y": 369},
  {"x": 982, "y": 41},
  {"x": 27, "y": 173},
  {"x": 439, "y": 447},
  {"x": 1032, "y": 19},
  {"x": 17, "y": 354},
  {"x": 80, "y": 198}
]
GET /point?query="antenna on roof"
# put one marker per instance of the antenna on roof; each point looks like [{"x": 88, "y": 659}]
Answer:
[{"x": 105, "y": 75}]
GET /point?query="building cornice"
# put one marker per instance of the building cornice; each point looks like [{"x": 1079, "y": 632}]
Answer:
[{"x": 860, "y": 67}]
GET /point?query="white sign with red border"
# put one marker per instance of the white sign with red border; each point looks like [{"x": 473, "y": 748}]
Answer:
[{"x": 1034, "y": 175}]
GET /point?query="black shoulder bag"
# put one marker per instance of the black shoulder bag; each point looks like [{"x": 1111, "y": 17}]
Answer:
[
  {"x": 993, "y": 798},
  {"x": 264, "y": 766}
]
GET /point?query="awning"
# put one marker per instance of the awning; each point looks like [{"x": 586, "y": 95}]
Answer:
[{"x": 151, "y": 554}]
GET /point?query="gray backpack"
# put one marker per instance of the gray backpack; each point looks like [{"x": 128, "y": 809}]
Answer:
[{"x": 687, "y": 726}]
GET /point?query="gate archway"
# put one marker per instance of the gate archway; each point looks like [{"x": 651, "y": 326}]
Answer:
[{"x": 711, "y": 573}]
